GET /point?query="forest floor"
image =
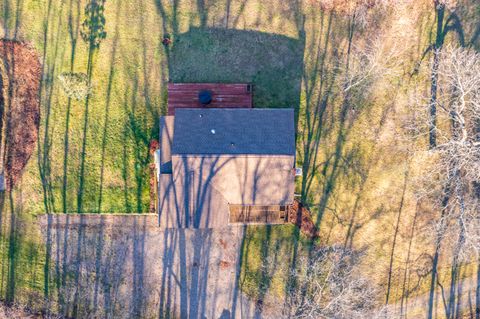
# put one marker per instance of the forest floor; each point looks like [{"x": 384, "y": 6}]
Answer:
[
  {"x": 417, "y": 305},
  {"x": 16, "y": 312}
]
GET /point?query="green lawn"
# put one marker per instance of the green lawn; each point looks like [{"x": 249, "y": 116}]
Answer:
[
  {"x": 268, "y": 252},
  {"x": 272, "y": 62},
  {"x": 101, "y": 162},
  {"x": 255, "y": 42}
]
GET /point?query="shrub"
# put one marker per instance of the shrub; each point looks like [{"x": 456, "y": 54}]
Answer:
[{"x": 75, "y": 85}]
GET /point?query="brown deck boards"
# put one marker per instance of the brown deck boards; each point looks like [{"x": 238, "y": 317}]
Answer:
[
  {"x": 249, "y": 214},
  {"x": 185, "y": 95}
]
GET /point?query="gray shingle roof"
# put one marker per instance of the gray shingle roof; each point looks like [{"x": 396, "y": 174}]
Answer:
[{"x": 234, "y": 131}]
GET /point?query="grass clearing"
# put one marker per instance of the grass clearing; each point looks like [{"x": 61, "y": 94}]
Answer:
[
  {"x": 267, "y": 254},
  {"x": 272, "y": 62}
]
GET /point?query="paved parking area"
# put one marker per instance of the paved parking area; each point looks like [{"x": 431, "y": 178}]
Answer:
[{"x": 128, "y": 267}]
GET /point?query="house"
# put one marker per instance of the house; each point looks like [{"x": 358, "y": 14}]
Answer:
[{"x": 221, "y": 166}]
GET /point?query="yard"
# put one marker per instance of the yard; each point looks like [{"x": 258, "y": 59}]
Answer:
[
  {"x": 357, "y": 74},
  {"x": 93, "y": 154},
  {"x": 94, "y": 158}
]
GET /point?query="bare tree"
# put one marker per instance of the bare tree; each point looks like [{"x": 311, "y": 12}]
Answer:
[
  {"x": 454, "y": 164},
  {"x": 328, "y": 285},
  {"x": 443, "y": 26}
]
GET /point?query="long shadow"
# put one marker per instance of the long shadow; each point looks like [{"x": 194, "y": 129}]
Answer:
[
  {"x": 61, "y": 264},
  {"x": 93, "y": 34},
  {"x": 46, "y": 270},
  {"x": 91, "y": 266},
  {"x": 2, "y": 236},
  {"x": 238, "y": 271},
  {"x": 21, "y": 252},
  {"x": 170, "y": 20},
  {"x": 125, "y": 176},
  {"x": 316, "y": 105},
  {"x": 12, "y": 17},
  {"x": 95, "y": 262},
  {"x": 83, "y": 154},
  {"x": 166, "y": 304},
  {"x": 364, "y": 173},
  {"x": 268, "y": 94},
  {"x": 199, "y": 210},
  {"x": 73, "y": 27},
  {"x": 137, "y": 130},
  {"x": 99, "y": 251},
  {"x": 47, "y": 85},
  {"x": 345, "y": 122},
  {"x": 12, "y": 252},
  {"x": 107, "y": 105},
  {"x": 241, "y": 56},
  {"x": 77, "y": 302},
  {"x": 138, "y": 254},
  {"x": 267, "y": 273},
  {"x": 141, "y": 123},
  {"x": 325, "y": 122},
  {"x": 190, "y": 250}
]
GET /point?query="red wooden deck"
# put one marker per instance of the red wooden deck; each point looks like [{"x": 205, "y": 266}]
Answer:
[{"x": 185, "y": 95}]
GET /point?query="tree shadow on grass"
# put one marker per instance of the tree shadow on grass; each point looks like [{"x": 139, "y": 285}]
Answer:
[{"x": 272, "y": 62}]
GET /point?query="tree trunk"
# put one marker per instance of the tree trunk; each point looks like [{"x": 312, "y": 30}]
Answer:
[{"x": 440, "y": 13}]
